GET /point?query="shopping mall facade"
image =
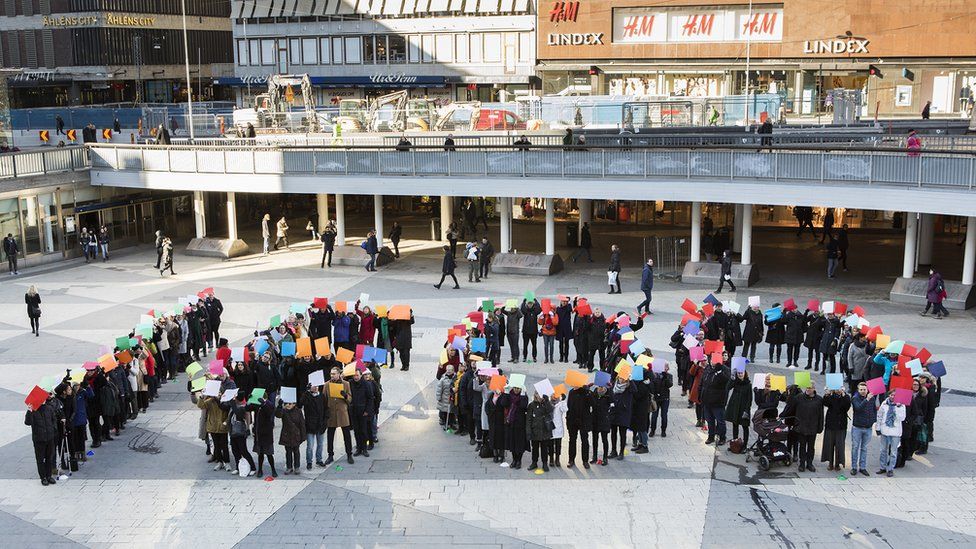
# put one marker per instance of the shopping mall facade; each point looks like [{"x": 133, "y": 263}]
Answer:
[{"x": 799, "y": 49}]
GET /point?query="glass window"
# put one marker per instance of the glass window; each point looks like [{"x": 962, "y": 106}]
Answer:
[
  {"x": 476, "y": 56},
  {"x": 427, "y": 48},
  {"x": 267, "y": 52},
  {"x": 310, "y": 51},
  {"x": 398, "y": 49},
  {"x": 369, "y": 50},
  {"x": 353, "y": 53},
  {"x": 337, "y": 51},
  {"x": 461, "y": 49},
  {"x": 414, "y": 48},
  {"x": 325, "y": 50},
  {"x": 493, "y": 47},
  {"x": 445, "y": 47},
  {"x": 294, "y": 51},
  {"x": 9, "y": 220},
  {"x": 255, "y": 50},
  {"x": 28, "y": 212},
  {"x": 242, "y": 53},
  {"x": 50, "y": 230},
  {"x": 381, "y": 51},
  {"x": 525, "y": 48}
]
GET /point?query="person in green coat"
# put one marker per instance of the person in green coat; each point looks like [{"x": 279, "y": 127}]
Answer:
[{"x": 738, "y": 409}]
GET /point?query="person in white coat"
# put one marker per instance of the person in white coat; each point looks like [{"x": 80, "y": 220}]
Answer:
[
  {"x": 559, "y": 410},
  {"x": 888, "y": 426}
]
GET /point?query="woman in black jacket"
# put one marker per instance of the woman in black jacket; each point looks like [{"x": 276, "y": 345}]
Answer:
[
  {"x": 713, "y": 396},
  {"x": 815, "y": 328},
  {"x": 737, "y": 411},
  {"x": 661, "y": 392},
  {"x": 495, "y": 410},
  {"x": 733, "y": 332},
  {"x": 33, "y": 301},
  {"x": 828, "y": 343},
  {"x": 795, "y": 326},
  {"x": 640, "y": 418},
  {"x": 243, "y": 379},
  {"x": 447, "y": 268},
  {"x": 538, "y": 422},
  {"x": 775, "y": 336},
  {"x": 621, "y": 413},
  {"x": 837, "y": 404},
  {"x": 914, "y": 420},
  {"x": 238, "y": 432},
  {"x": 579, "y": 422},
  {"x": 363, "y": 400},
  {"x": 312, "y": 403},
  {"x": 809, "y": 413},
  {"x": 595, "y": 342},
  {"x": 752, "y": 333},
  {"x": 600, "y": 402},
  {"x": 682, "y": 359},
  {"x": 515, "y": 404}
]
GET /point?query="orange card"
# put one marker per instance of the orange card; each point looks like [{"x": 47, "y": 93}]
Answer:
[
  {"x": 124, "y": 357},
  {"x": 107, "y": 362},
  {"x": 575, "y": 378},
  {"x": 497, "y": 383},
  {"x": 344, "y": 355},
  {"x": 559, "y": 390},
  {"x": 322, "y": 346},
  {"x": 399, "y": 312},
  {"x": 340, "y": 306},
  {"x": 303, "y": 347}
]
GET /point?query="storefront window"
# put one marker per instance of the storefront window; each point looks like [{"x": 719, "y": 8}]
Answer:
[
  {"x": 50, "y": 229},
  {"x": 325, "y": 50},
  {"x": 9, "y": 220},
  {"x": 381, "y": 49},
  {"x": 398, "y": 49},
  {"x": 28, "y": 212}
]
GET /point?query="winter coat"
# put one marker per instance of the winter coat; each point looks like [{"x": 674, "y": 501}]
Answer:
[
  {"x": 647, "y": 278},
  {"x": 713, "y": 386},
  {"x": 448, "y": 264},
  {"x": 340, "y": 329},
  {"x": 530, "y": 312},
  {"x": 661, "y": 386},
  {"x": 512, "y": 321},
  {"x": 776, "y": 334},
  {"x": 809, "y": 413},
  {"x": 559, "y": 419},
  {"x": 766, "y": 399},
  {"x": 596, "y": 332},
  {"x": 328, "y": 239},
  {"x": 640, "y": 419},
  {"x": 33, "y": 305},
  {"x": 82, "y": 399},
  {"x": 864, "y": 410},
  {"x": 739, "y": 408},
  {"x": 363, "y": 396},
  {"x": 442, "y": 393},
  {"x": 828, "y": 339},
  {"x": 371, "y": 246},
  {"x": 795, "y": 326},
  {"x": 586, "y": 240},
  {"x": 403, "y": 334},
  {"x": 614, "y": 261},
  {"x": 44, "y": 422},
  {"x": 538, "y": 420},
  {"x": 836, "y": 415},
  {"x": 292, "y": 427},
  {"x": 548, "y": 324},
  {"x": 934, "y": 289},
  {"x": 622, "y": 409},
  {"x": 733, "y": 330},
  {"x": 338, "y": 407},
  {"x": 753, "y": 330},
  {"x": 895, "y": 429},
  {"x": 858, "y": 360},
  {"x": 578, "y": 409},
  {"x": 515, "y": 429},
  {"x": 216, "y": 414},
  {"x": 600, "y": 406},
  {"x": 565, "y": 328},
  {"x": 313, "y": 406},
  {"x": 815, "y": 328},
  {"x": 367, "y": 327},
  {"x": 495, "y": 413}
]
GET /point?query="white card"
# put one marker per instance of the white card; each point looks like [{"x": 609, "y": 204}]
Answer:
[
  {"x": 754, "y": 301},
  {"x": 758, "y": 381},
  {"x": 363, "y": 300},
  {"x": 237, "y": 354},
  {"x": 229, "y": 394},
  {"x": 289, "y": 394},
  {"x": 544, "y": 387},
  {"x": 212, "y": 388},
  {"x": 316, "y": 378}
]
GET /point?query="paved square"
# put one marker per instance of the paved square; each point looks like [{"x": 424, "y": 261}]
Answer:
[{"x": 421, "y": 486}]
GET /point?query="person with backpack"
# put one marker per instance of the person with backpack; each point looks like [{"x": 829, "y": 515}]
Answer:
[{"x": 935, "y": 293}]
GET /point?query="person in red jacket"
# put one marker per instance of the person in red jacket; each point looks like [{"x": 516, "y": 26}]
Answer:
[{"x": 367, "y": 324}]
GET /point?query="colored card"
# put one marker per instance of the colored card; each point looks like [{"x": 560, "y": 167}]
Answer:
[
  {"x": 289, "y": 394},
  {"x": 363, "y": 299},
  {"x": 689, "y": 306},
  {"x": 894, "y": 347},
  {"x": 716, "y": 358},
  {"x": 739, "y": 363},
  {"x": 692, "y": 327},
  {"x": 488, "y": 372},
  {"x": 881, "y": 341},
  {"x": 303, "y": 347},
  {"x": 559, "y": 390},
  {"x": 801, "y": 379},
  {"x": 903, "y": 396},
  {"x": 872, "y": 334},
  {"x": 107, "y": 362},
  {"x": 340, "y": 307},
  {"x": 380, "y": 356},
  {"x": 260, "y": 346},
  {"x": 636, "y": 347},
  {"x": 274, "y": 321},
  {"x": 288, "y": 348},
  {"x": 345, "y": 356},
  {"x": 688, "y": 317},
  {"x": 212, "y": 387},
  {"x": 443, "y": 358},
  {"x": 759, "y": 381},
  {"x": 732, "y": 307},
  {"x": 459, "y": 343},
  {"x": 529, "y": 296},
  {"x": 479, "y": 345},
  {"x": 322, "y": 346},
  {"x": 623, "y": 320},
  {"x": 48, "y": 383},
  {"x": 256, "y": 394},
  {"x": 636, "y": 374},
  {"x": 859, "y": 311},
  {"x": 658, "y": 364},
  {"x": 834, "y": 382},
  {"x": 298, "y": 308},
  {"x": 124, "y": 357},
  {"x": 643, "y": 360},
  {"x": 690, "y": 341},
  {"x": 77, "y": 375},
  {"x": 774, "y": 314},
  {"x": 712, "y": 300},
  {"x": 696, "y": 354},
  {"x": 381, "y": 311},
  {"x": 602, "y": 379},
  {"x": 827, "y": 307},
  {"x": 216, "y": 368},
  {"x": 400, "y": 312},
  {"x": 497, "y": 383},
  {"x": 488, "y": 305},
  {"x": 789, "y": 304},
  {"x": 900, "y": 382},
  {"x": 546, "y": 306},
  {"x": 90, "y": 365},
  {"x": 123, "y": 343},
  {"x": 511, "y": 303},
  {"x": 937, "y": 369},
  {"x": 575, "y": 378},
  {"x": 320, "y": 302},
  {"x": 713, "y": 346},
  {"x": 229, "y": 395},
  {"x": 916, "y": 366},
  {"x": 754, "y": 301},
  {"x": 708, "y": 309},
  {"x": 923, "y": 355},
  {"x": 369, "y": 354},
  {"x": 876, "y": 386},
  {"x": 544, "y": 388},
  {"x": 625, "y": 345},
  {"x": 583, "y": 308},
  {"x": 623, "y": 363},
  {"x": 335, "y": 390},
  {"x": 909, "y": 350},
  {"x": 777, "y": 383},
  {"x": 316, "y": 378},
  {"x": 839, "y": 308},
  {"x": 198, "y": 384},
  {"x": 36, "y": 397},
  {"x": 517, "y": 380}
]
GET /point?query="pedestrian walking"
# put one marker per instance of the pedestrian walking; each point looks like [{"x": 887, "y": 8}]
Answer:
[
  {"x": 103, "y": 240},
  {"x": 935, "y": 293},
  {"x": 585, "y": 243},
  {"x": 726, "y": 272},
  {"x": 167, "y": 257},
  {"x": 59, "y": 124},
  {"x": 913, "y": 144},
  {"x": 927, "y": 110},
  {"x": 372, "y": 248},
  {"x": 159, "y": 248},
  {"x": 828, "y": 225},
  {"x": 312, "y": 232},
  {"x": 11, "y": 249},
  {"x": 647, "y": 285},
  {"x": 266, "y": 232},
  {"x": 447, "y": 268},
  {"x": 396, "y": 232},
  {"x": 33, "y": 301},
  {"x": 162, "y": 135},
  {"x": 281, "y": 233},
  {"x": 452, "y": 238},
  {"x": 613, "y": 271},
  {"x": 328, "y": 239}
]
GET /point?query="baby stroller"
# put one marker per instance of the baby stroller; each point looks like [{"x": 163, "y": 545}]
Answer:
[{"x": 770, "y": 444}]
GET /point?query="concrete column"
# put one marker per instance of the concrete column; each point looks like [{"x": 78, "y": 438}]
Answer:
[
  {"x": 926, "y": 235},
  {"x": 585, "y": 215},
  {"x": 340, "y": 220},
  {"x": 970, "y": 255},
  {"x": 737, "y": 229},
  {"x": 505, "y": 223},
  {"x": 550, "y": 226},
  {"x": 199, "y": 214},
  {"x": 447, "y": 213},
  {"x": 322, "y": 206},
  {"x": 746, "y": 234},
  {"x": 911, "y": 234},
  {"x": 378, "y": 218},
  {"x": 231, "y": 216},
  {"x": 695, "y": 232}
]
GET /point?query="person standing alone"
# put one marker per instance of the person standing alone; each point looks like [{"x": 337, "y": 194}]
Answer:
[
  {"x": 726, "y": 276},
  {"x": 613, "y": 271},
  {"x": 647, "y": 285},
  {"x": 10, "y": 248},
  {"x": 266, "y": 232},
  {"x": 33, "y": 301},
  {"x": 328, "y": 244}
]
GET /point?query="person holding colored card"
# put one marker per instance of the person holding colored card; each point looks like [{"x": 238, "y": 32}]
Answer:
[
  {"x": 514, "y": 404},
  {"x": 809, "y": 412},
  {"x": 914, "y": 423},
  {"x": 738, "y": 411},
  {"x": 864, "y": 407},
  {"x": 837, "y": 403},
  {"x": 752, "y": 332},
  {"x": 775, "y": 335},
  {"x": 339, "y": 398},
  {"x": 888, "y": 422},
  {"x": 44, "y": 418}
]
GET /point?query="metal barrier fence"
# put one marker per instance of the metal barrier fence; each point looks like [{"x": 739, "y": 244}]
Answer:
[
  {"x": 23, "y": 164},
  {"x": 868, "y": 167},
  {"x": 670, "y": 254}
]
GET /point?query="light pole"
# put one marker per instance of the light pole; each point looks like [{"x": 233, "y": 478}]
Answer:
[
  {"x": 748, "y": 59},
  {"x": 186, "y": 58}
]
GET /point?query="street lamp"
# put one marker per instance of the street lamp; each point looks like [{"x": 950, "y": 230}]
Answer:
[{"x": 186, "y": 59}]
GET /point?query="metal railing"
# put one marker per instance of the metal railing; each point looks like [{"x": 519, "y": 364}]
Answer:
[
  {"x": 56, "y": 160},
  {"x": 864, "y": 166}
]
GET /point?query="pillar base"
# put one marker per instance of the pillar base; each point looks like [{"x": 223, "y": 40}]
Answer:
[
  {"x": 216, "y": 247},
  {"x": 709, "y": 274},
  {"x": 355, "y": 256},
  {"x": 913, "y": 290},
  {"x": 527, "y": 264}
]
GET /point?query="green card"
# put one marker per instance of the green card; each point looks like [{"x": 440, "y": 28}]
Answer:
[
  {"x": 488, "y": 305},
  {"x": 255, "y": 395},
  {"x": 529, "y": 296},
  {"x": 133, "y": 342},
  {"x": 801, "y": 379},
  {"x": 193, "y": 368},
  {"x": 511, "y": 303},
  {"x": 177, "y": 309},
  {"x": 48, "y": 383},
  {"x": 298, "y": 308},
  {"x": 123, "y": 343},
  {"x": 198, "y": 384},
  {"x": 275, "y": 321}
]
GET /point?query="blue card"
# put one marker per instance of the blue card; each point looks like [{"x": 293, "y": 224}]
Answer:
[
  {"x": 287, "y": 348},
  {"x": 937, "y": 369},
  {"x": 479, "y": 345},
  {"x": 602, "y": 379}
]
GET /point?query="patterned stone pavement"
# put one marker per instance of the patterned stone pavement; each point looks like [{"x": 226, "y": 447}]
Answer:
[{"x": 421, "y": 486}]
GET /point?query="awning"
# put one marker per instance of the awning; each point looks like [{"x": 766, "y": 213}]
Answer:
[{"x": 397, "y": 80}]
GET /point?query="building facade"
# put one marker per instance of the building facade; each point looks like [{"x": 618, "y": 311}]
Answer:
[
  {"x": 794, "y": 48},
  {"x": 83, "y": 52},
  {"x": 442, "y": 49}
]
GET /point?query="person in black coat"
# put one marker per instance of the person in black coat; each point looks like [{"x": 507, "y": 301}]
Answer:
[
  {"x": 661, "y": 392},
  {"x": 312, "y": 403},
  {"x": 614, "y": 268},
  {"x": 752, "y": 333},
  {"x": 733, "y": 332},
  {"x": 621, "y": 414},
  {"x": 396, "y": 232},
  {"x": 465, "y": 393},
  {"x": 640, "y": 417},
  {"x": 564, "y": 329},
  {"x": 585, "y": 243},
  {"x": 600, "y": 413},
  {"x": 515, "y": 404},
  {"x": 579, "y": 421},
  {"x": 402, "y": 333},
  {"x": 808, "y": 409},
  {"x": 596, "y": 340},
  {"x": 530, "y": 328},
  {"x": 795, "y": 324},
  {"x": 447, "y": 268},
  {"x": 837, "y": 403},
  {"x": 33, "y": 301},
  {"x": 495, "y": 410},
  {"x": 775, "y": 336},
  {"x": 485, "y": 255},
  {"x": 815, "y": 328},
  {"x": 214, "y": 310},
  {"x": 328, "y": 239},
  {"x": 726, "y": 275},
  {"x": 681, "y": 358},
  {"x": 713, "y": 393},
  {"x": 716, "y": 324},
  {"x": 46, "y": 423},
  {"x": 828, "y": 343},
  {"x": 359, "y": 409},
  {"x": 372, "y": 248}
]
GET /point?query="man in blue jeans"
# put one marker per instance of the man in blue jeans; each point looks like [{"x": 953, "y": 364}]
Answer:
[
  {"x": 888, "y": 425},
  {"x": 647, "y": 284},
  {"x": 864, "y": 407},
  {"x": 313, "y": 405},
  {"x": 372, "y": 248}
]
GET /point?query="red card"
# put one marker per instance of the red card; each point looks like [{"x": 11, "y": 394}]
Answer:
[
  {"x": 36, "y": 397},
  {"x": 839, "y": 308},
  {"x": 320, "y": 302},
  {"x": 583, "y": 308},
  {"x": 202, "y": 295},
  {"x": 909, "y": 350},
  {"x": 904, "y": 371},
  {"x": 689, "y": 306},
  {"x": 713, "y": 346},
  {"x": 859, "y": 311},
  {"x": 360, "y": 349},
  {"x": 546, "y": 305},
  {"x": 625, "y": 345},
  {"x": 152, "y": 313},
  {"x": 789, "y": 304},
  {"x": 813, "y": 305},
  {"x": 873, "y": 332},
  {"x": 477, "y": 318},
  {"x": 708, "y": 309},
  {"x": 900, "y": 382},
  {"x": 689, "y": 317},
  {"x": 923, "y": 355},
  {"x": 716, "y": 358},
  {"x": 612, "y": 320}
]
